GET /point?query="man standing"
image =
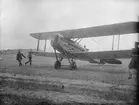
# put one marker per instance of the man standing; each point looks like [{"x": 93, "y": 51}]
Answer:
[
  {"x": 134, "y": 63},
  {"x": 19, "y": 57},
  {"x": 29, "y": 58}
]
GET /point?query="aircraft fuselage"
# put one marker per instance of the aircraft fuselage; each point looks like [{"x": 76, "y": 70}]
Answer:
[{"x": 63, "y": 44}]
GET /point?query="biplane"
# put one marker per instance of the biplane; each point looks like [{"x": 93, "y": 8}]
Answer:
[{"x": 67, "y": 43}]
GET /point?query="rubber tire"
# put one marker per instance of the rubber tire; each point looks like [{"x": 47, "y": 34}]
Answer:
[
  {"x": 73, "y": 67},
  {"x": 57, "y": 65},
  {"x": 102, "y": 62}
]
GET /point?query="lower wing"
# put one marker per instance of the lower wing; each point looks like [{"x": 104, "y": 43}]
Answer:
[
  {"x": 45, "y": 54},
  {"x": 119, "y": 54},
  {"x": 82, "y": 56},
  {"x": 110, "y": 57},
  {"x": 104, "y": 56}
]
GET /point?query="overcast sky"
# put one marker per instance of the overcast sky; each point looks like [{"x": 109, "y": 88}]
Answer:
[{"x": 21, "y": 17}]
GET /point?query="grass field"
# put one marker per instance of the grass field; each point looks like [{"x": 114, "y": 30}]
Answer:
[{"x": 41, "y": 83}]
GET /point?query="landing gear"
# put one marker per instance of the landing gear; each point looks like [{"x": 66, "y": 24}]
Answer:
[
  {"x": 73, "y": 65},
  {"x": 71, "y": 62},
  {"x": 60, "y": 59},
  {"x": 57, "y": 64},
  {"x": 102, "y": 61}
]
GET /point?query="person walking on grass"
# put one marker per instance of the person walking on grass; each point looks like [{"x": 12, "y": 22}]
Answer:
[
  {"x": 19, "y": 57},
  {"x": 29, "y": 58},
  {"x": 134, "y": 63}
]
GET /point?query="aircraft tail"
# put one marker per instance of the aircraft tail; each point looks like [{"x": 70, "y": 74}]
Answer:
[
  {"x": 110, "y": 61},
  {"x": 94, "y": 61}
]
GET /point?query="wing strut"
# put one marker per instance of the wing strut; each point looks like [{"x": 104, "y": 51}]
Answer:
[
  {"x": 113, "y": 43},
  {"x": 45, "y": 45},
  {"x": 38, "y": 44},
  {"x": 77, "y": 39},
  {"x": 56, "y": 54},
  {"x": 80, "y": 40},
  {"x": 118, "y": 41}
]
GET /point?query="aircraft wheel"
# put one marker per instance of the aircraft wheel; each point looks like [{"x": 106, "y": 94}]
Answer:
[
  {"x": 73, "y": 66},
  {"x": 57, "y": 65},
  {"x": 102, "y": 62}
]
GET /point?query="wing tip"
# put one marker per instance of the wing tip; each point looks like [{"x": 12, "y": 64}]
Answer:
[{"x": 34, "y": 35}]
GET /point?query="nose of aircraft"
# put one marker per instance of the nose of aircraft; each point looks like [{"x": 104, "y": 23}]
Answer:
[{"x": 54, "y": 40}]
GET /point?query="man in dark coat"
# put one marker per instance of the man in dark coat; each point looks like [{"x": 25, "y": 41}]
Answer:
[
  {"x": 134, "y": 63},
  {"x": 29, "y": 58},
  {"x": 19, "y": 57}
]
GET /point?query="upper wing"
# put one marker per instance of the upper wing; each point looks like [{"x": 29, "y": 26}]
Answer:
[{"x": 104, "y": 30}]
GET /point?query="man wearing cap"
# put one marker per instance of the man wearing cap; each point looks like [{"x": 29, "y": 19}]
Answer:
[
  {"x": 134, "y": 63},
  {"x": 19, "y": 57},
  {"x": 29, "y": 58}
]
